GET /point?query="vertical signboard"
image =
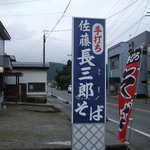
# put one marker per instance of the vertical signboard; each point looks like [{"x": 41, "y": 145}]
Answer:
[
  {"x": 127, "y": 91},
  {"x": 88, "y": 100}
]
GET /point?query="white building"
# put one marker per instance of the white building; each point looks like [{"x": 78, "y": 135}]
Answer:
[{"x": 33, "y": 83}]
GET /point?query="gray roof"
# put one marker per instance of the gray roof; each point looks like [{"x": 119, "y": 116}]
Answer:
[
  {"x": 3, "y": 32},
  {"x": 32, "y": 65}
]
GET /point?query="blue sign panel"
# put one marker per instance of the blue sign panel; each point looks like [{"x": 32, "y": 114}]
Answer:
[{"x": 88, "y": 71}]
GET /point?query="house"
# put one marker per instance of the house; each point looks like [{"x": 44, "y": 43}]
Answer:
[
  {"x": 4, "y": 59},
  {"x": 117, "y": 57},
  {"x": 33, "y": 83}
]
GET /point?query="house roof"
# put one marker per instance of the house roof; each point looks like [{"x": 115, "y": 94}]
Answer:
[
  {"x": 3, "y": 32},
  {"x": 10, "y": 72},
  {"x": 30, "y": 65},
  {"x": 116, "y": 45}
]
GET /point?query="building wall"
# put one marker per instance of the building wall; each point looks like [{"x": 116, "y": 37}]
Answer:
[
  {"x": 143, "y": 38},
  {"x": 139, "y": 40},
  {"x": 121, "y": 49},
  {"x": 31, "y": 76},
  {"x": 115, "y": 75},
  {"x": 1, "y": 52},
  {"x": 142, "y": 81},
  {"x": 1, "y": 46},
  {"x": 148, "y": 71}
]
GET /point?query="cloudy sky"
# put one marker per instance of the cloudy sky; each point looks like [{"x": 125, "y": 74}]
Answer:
[{"x": 25, "y": 20}]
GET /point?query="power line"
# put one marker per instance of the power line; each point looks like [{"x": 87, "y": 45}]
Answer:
[
  {"x": 117, "y": 2},
  {"x": 129, "y": 28},
  {"x": 136, "y": 23},
  {"x": 62, "y": 30},
  {"x": 116, "y": 12},
  {"x": 142, "y": 17},
  {"x": 20, "y": 15},
  {"x": 25, "y": 38},
  {"x": 20, "y": 2},
  {"x": 59, "y": 19},
  {"x": 39, "y": 36},
  {"x": 69, "y": 42},
  {"x": 119, "y": 17},
  {"x": 122, "y": 10},
  {"x": 119, "y": 26},
  {"x": 30, "y": 50}
]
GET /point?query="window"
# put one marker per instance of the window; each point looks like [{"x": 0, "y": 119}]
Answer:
[
  {"x": 36, "y": 87},
  {"x": 114, "y": 62},
  {"x": 148, "y": 63},
  {"x": 144, "y": 82},
  {"x": 1, "y": 82}
]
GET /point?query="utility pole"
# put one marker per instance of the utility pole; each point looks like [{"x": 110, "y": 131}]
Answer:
[{"x": 44, "y": 41}]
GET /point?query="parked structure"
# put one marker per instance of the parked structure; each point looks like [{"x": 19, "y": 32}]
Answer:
[
  {"x": 33, "y": 83},
  {"x": 117, "y": 57}
]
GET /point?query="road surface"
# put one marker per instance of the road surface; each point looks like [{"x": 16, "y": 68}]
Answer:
[{"x": 139, "y": 134}]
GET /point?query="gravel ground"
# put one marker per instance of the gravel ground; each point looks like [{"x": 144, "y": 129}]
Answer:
[{"x": 32, "y": 127}]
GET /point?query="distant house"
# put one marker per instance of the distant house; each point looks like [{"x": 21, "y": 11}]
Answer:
[{"x": 33, "y": 83}]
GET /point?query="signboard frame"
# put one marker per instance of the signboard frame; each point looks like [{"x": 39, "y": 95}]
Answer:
[{"x": 88, "y": 71}]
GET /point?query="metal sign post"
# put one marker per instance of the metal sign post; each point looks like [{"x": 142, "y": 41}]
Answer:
[{"x": 88, "y": 97}]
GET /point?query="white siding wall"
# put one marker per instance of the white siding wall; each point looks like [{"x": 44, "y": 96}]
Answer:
[
  {"x": 33, "y": 76},
  {"x": 1, "y": 46}
]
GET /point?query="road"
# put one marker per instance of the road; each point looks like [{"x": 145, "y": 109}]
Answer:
[
  {"x": 140, "y": 133},
  {"x": 140, "y": 115}
]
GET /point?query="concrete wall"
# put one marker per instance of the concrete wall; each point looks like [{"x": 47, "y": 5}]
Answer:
[{"x": 1, "y": 65}]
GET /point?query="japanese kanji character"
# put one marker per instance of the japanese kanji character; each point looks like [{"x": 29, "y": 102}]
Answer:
[
  {"x": 97, "y": 30},
  {"x": 84, "y": 41},
  {"x": 85, "y": 90},
  {"x": 84, "y": 25},
  {"x": 97, "y": 39},
  {"x": 86, "y": 57}
]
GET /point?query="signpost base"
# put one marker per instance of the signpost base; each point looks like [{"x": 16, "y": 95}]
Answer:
[{"x": 88, "y": 136}]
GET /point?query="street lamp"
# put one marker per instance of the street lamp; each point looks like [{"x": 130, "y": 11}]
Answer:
[{"x": 148, "y": 14}]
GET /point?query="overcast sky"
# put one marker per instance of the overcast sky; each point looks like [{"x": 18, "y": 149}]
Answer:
[{"x": 25, "y": 21}]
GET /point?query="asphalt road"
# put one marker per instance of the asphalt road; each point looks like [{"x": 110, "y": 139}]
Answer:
[
  {"x": 140, "y": 133},
  {"x": 140, "y": 114}
]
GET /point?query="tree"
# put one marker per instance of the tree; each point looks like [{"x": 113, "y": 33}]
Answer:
[{"x": 63, "y": 77}]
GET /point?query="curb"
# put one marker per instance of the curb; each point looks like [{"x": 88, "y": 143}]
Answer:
[
  {"x": 65, "y": 101},
  {"x": 108, "y": 147}
]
